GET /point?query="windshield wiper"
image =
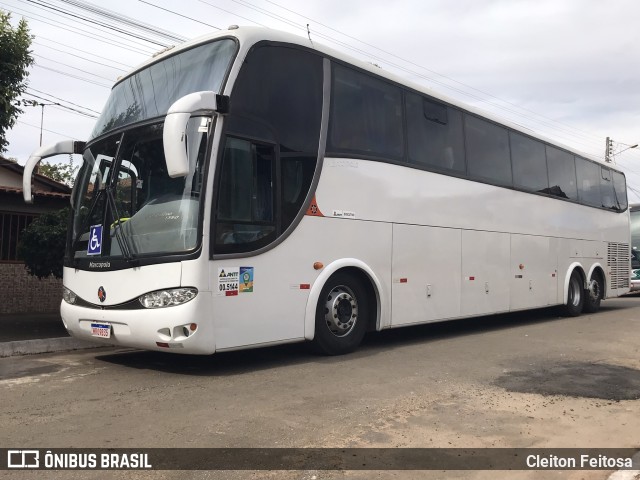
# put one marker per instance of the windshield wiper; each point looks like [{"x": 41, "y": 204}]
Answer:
[{"x": 123, "y": 241}]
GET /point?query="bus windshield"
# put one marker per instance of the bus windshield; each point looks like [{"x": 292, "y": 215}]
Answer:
[
  {"x": 150, "y": 92},
  {"x": 126, "y": 205}
]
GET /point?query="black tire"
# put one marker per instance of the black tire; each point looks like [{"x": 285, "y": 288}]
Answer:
[
  {"x": 341, "y": 315},
  {"x": 575, "y": 296},
  {"x": 593, "y": 294}
]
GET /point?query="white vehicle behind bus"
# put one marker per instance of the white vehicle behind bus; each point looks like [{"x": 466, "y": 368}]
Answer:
[
  {"x": 251, "y": 188},
  {"x": 635, "y": 247}
]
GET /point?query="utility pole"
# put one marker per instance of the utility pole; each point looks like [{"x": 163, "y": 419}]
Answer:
[
  {"x": 41, "y": 122},
  {"x": 34, "y": 103},
  {"x": 608, "y": 152}
]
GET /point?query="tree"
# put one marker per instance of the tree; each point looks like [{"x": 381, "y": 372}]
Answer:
[
  {"x": 43, "y": 242},
  {"x": 15, "y": 59},
  {"x": 60, "y": 172}
]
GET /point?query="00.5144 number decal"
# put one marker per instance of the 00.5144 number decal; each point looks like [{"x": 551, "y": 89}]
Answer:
[{"x": 224, "y": 287}]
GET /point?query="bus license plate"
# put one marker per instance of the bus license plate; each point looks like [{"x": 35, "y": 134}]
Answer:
[{"x": 101, "y": 330}]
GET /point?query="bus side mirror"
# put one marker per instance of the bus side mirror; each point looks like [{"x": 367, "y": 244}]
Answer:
[
  {"x": 60, "y": 148},
  {"x": 174, "y": 133}
]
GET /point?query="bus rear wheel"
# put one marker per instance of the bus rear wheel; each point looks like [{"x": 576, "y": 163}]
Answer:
[
  {"x": 594, "y": 293},
  {"x": 341, "y": 315},
  {"x": 575, "y": 296}
]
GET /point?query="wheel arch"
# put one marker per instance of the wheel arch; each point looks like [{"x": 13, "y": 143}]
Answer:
[
  {"x": 356, "y": 267},
  {"x": 597, "y": 268},
  {"x": 575, "y": 266}
]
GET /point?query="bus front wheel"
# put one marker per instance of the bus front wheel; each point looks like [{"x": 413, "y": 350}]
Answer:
[
  {"x": 575, "y": 296},
  {"x": 341, "y": 315}
]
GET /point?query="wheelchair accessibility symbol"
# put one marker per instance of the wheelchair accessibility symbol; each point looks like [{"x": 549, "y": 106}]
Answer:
[{"x": 94, "y": 246}]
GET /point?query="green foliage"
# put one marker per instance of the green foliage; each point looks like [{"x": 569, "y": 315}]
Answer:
[
  {"x": 60, "y": 172},
  {"x": 43, "y": 242},
  {"x": 15, "y": 59}
]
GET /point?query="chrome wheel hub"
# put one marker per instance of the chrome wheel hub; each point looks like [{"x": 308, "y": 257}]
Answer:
[
  {"x": 341, "y": 311},
  {"x": 575, "y": 292}
]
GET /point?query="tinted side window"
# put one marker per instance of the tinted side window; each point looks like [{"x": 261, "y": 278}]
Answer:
[
  {"x": 434, "y": 133},
  {"x": 607, "y": 192},
  {"x": 620, "y": 187},
  {"x": 366, "y": 115},
  {"x": 487, "y": 151},
  {"x": 562, "y": 174},
  {"x": 276, "y": 100},
  {"x": 529, "y": 163},
  {"x": 245, "y": 217},
  {"x": 588, "y": 176},
  {"x": 282, "y": 89}
]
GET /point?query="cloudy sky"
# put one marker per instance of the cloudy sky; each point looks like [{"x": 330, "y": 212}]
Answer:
[{"x": 568, "y": 69}]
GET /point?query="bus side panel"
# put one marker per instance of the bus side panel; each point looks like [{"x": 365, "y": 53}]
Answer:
[
  {"x": 533, "y": 271},
  {"x": 485, "y": 272},
  {"x": 426, "y": 274},
  {"x": 273, "y": 311}
]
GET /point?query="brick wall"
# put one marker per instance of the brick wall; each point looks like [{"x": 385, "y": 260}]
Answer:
[{"x": 24, "y": 293}]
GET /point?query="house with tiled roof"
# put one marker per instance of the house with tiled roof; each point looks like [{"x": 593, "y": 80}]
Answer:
[{"x": 19, "y": 291}]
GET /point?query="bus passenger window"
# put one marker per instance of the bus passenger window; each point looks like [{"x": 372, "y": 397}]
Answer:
[
  {"x": 366, "y": 115},
  {"x": 562, "y": 174},
  {"x": 607, "y": 193},
  {"x": 434, "y": 133},
  {"x": 529, "y": 163},
  {"x": 588, "y": 175},
  {"x": 488, "y": 155},
  {"x": 620, "y": 189}
]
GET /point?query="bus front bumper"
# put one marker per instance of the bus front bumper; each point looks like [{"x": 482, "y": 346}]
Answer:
[{"x": 186, "y": 328}]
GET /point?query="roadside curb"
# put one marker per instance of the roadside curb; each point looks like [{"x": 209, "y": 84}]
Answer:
[{"x": 45, "y": 345}]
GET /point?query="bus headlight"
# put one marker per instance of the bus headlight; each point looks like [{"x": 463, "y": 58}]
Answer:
[
  {"x": 69, "y": 296},
  {"x": 168, "y": 297}
]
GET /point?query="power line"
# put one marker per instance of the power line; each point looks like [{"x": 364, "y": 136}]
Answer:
[
  {"x": 22, "y": 122},
  {"x": 74, "y": 76},
  {"x": 106, "y": 30},
  {"x": 76, "y": 30},
  {"x": 86, "y": 114},
  {"x": 96, "y": 22},
  {"x": 40, "y": 37},
  {"x": 110, "y": 14},
  {"x": 74, "y": 68},
  {"x": 180, "y": 15},
  {"x": 239, "y": 16},
  {"x": 81, "y": 32},
  {"x": 79, "y": 56},
  {"x": 62, "y": 100},
  {"x": 62, "y": 108}
]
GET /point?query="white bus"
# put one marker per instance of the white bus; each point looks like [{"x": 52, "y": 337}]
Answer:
[{"x": 252, "y": 188}]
